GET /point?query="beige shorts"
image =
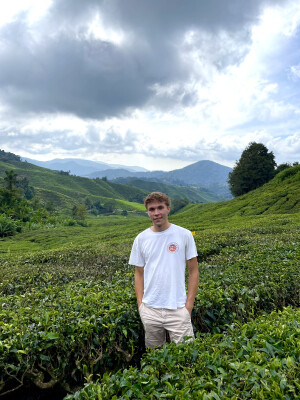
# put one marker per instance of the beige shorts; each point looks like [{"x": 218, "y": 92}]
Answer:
[{"x": 157, "y": 321}]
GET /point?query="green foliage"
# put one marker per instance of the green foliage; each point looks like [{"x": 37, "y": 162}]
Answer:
[
  {"x": 289, "y": 172},
  {"x": 195, "y": 195},
  {"x": 255, "y": 168},
  {"x": 79, "y": 212},
  {"x": 258, "y": 360},
  {"x": 8, "y": 226},
  {"x": 8, "y": 157},
  {"x": 72, "y": 312},
  {"x": 284, "y": 166},
  {"x": 280, "y": 195},
  {"x": 65, "y": 190},
  {"x": 177, "y": 205},
  {"x": 23, "y": 184},
  {"x": 68, "y": 310},
  {"x": 10, "y": 179}
]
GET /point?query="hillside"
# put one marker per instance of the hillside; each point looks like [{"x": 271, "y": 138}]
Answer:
[
  {"x": 65, "y": 190},
  {"x": 279, "y": 196},
  {"x": 194, "y": 195}
]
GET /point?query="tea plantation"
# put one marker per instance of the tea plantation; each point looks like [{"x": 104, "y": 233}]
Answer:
[{"x": 68, "y": 315}]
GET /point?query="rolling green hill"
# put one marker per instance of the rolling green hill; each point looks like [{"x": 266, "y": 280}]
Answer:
[
  {"x": 279, "y": 196},
  {"x": 194, "y": 195},
  {"x": 65, "y": 190}
]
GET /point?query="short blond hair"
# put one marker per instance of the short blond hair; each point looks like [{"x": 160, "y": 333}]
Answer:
[{"x": 157, "y": 196}]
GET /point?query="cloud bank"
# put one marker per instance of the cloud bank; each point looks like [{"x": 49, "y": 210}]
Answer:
[{"x": 151, "y": 81}]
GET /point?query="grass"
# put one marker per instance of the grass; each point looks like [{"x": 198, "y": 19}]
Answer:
[{"x": 102, "y": 229}]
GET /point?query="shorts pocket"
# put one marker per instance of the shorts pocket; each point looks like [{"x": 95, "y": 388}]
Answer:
[{"x": 187, "y": 312}]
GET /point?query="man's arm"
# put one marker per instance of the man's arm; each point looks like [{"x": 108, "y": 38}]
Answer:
[
  {"x": 139, "y": 284},
  {"x": 193, "y": 283}
]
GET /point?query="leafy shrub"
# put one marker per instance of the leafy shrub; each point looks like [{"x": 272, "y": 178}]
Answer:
[
  {"x": 8, "y": 227},
  {"x": 258, "y": 360},
  {"x": 88, "y": 327},
  {"x": 287, "y": 173}
]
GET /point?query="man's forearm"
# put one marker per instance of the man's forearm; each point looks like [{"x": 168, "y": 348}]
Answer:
[
  {"x": 193, "y": 283},
  {"x": 139, "y": 284}
]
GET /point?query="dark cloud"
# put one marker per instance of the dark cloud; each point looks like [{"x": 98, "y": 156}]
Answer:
[{"x": 56, "y": 67}]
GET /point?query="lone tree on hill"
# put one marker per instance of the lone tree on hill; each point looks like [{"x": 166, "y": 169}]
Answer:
[{"x": 255, "y": 168}]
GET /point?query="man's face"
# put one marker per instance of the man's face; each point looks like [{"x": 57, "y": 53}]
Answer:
[{"x": 158, "y": 213}]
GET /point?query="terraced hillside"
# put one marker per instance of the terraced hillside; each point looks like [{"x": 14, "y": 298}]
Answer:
[
  {"x": 279, "y": 196},
  {"x": 65, "y": 190},
  {"x": 194, "y": 195}
]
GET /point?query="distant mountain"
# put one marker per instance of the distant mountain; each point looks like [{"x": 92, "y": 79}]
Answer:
[
  {"x": 201, "y": 173},
  {"x": 204, "y": 174},
  {"x": 80, "y": 167}
]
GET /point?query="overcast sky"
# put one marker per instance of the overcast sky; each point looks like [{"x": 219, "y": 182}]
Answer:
[{"x": 155, "y": 83}]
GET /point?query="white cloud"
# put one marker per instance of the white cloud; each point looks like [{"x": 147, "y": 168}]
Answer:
[
  {"x": 295, "y": 71},
  {"x": 169, "y": 86},
  {"x": 34, "y": 10}
]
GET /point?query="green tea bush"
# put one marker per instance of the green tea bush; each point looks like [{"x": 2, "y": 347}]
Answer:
[
  {"x": 257, "y": 360},
  {"x": 244, "y": 273},
  {"x": 61, "y": 334},
  {"x": 68, "y": 315}
]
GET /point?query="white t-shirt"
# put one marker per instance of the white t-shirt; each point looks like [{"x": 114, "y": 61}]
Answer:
[{"x": 163, "y": 256}]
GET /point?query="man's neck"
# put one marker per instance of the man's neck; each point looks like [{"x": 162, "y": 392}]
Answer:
[{"x": 160, "y": 228}]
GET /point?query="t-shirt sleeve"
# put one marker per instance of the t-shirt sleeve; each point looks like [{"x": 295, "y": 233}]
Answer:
[
  {"x": 136, "y": 257},
  {"x": 191, "y": 249}
]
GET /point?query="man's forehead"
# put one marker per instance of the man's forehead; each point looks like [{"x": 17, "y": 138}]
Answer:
[{"x": 156, "y": 204}]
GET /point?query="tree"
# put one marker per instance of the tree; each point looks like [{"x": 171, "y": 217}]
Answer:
[
  {"x": 23, "y": 183},
  {"x": 79, "y": 212},
  {"x": 177, "y": 204},
  {"x": 10, "y": 179},
  {"x": 255, "y": 168},
  {"x": 108, "y": 207}
]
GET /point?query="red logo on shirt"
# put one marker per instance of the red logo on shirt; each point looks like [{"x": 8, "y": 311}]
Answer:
[{"x": 173, "y": 247}]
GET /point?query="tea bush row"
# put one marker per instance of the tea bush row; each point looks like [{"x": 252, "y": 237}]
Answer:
[
  {"x": 244, "y": 274},
  {"x": 60, "y": 334},
  {"x": 67, "y": 315},
  {"x": 65, "y": 333},
  {"x": 257, "y": 360}
]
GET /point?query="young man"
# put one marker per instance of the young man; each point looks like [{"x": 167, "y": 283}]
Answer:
[{"x": 160, "y": 254}]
